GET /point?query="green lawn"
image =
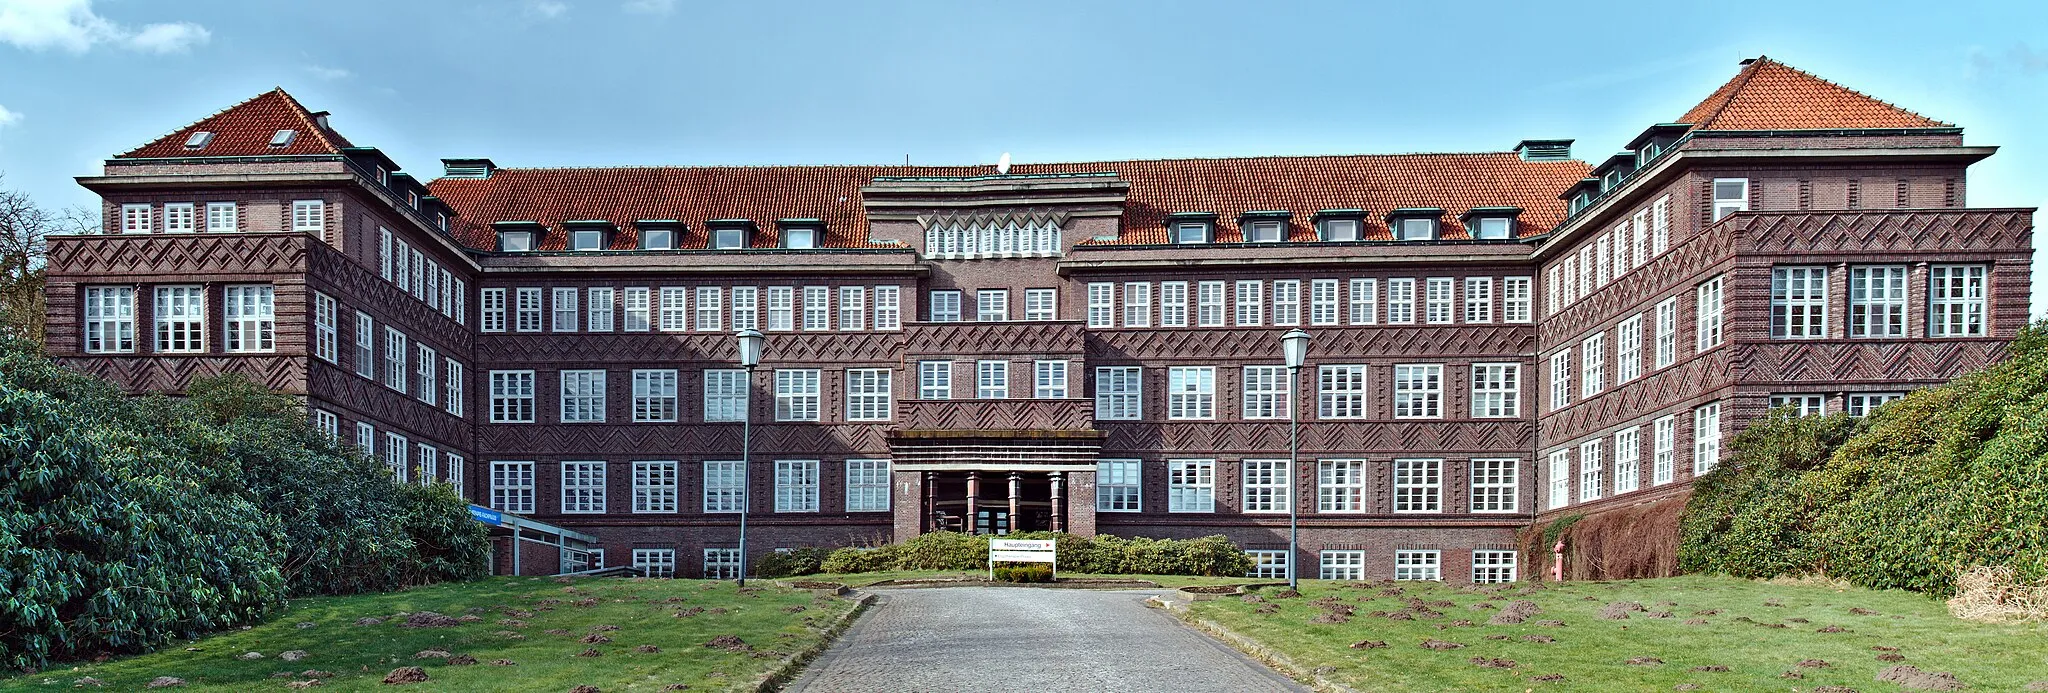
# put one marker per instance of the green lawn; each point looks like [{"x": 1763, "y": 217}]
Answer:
[
  {"x": 865, "y": 579},
  {"x": 516, "y": 617},
  {"x": 1592, "y": 652}
]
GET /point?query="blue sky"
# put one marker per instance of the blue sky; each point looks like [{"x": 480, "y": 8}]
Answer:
[{"x": 607, "y": 82}]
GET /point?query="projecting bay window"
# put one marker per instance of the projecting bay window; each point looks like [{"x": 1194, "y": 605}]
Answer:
[
  {"x": 946, "y": 307},
  {"x": 796, "y": 394},
  {"x": 582, "y": 488},
  {"x": 1517, "y": 299},
  {"x": 1628, "y": 459},
  {"x": 796, "y": 486},
  {"x": 1340, "y": 486},
  {"x": 181, "y": 319},
  {"x": 935, "y": 380},
  {"x": 1173, "y": 304},
  {"x": 1418, "y": 486},
  {"x": 1119, "y": 393},
  {"x": 1707, "y": 319},
  {"x": 1401, "y": 301},
  {"x": 1267, "y": 393},
  {"x": 1209, "y": 304},
  {"x": 1479, "y": 299},
  {"x": 725, "y": 486},
  {"x": 1250, "y": 303},
  {"x": 868, "y": 394},
  {"x": 1049, "y": 380},
  {"x": 511, "y": 396},
  {"x": 1191, "y": 486},
  {"x": 526, "y": 315},
  {"x": 251, "y": 318},
  {"x": 1799, "y": 302},
  {"x": 1286, "y": 302},
  {"x": 1191, "y": 392},
  {"x": 1418, "y": 391},
  {"x": 1364, "y": 301},
  {"x": 1731, "y": 195},
  {"x": 1592, "y": 472},
  {"x": 1418, "y": 564},
  {"x": 991, "y": 305},
  {"x": 1496, "y": 390},
  {"x": 654, "y": 396},
  {"x": 1955, "y": 301},
  {"x": 512, "y": 487},
  {"x": 1877, "y": 301},
  {"x": 1340, "y": 392},
  {"x": 991, "y": 379},
  {"x": 1116, "y": 486},
  {"x": 867, "y": 486},
  {"x": 1706, "y": 438},
  {"x": 1265, "y": 486},
  {"x": 1322, "y": 302},
  {"x": 1560, "y": 470},
  {"x": 1496, "y": 485},
  {"x": 1039, "y": 304},
  {"x": 654, "y": 487},
  {"x": 725, "y": 395}
]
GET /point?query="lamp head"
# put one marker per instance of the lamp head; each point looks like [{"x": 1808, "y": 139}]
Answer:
[
  {"x": 751, "y": 343},
  {"x": 1294, "y": 347}
]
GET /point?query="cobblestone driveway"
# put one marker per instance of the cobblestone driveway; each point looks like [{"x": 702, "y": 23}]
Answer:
[{"x": 1025, "y": 639}]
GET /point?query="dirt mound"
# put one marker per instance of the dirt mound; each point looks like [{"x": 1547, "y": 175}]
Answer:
[
  {"x": 1909, "y": 676},
  {"x": 1792, "y": 674},
  {"x": 368, "y": 621},
  {"x": 1497, "y": 636},
  {"x": 1643, "y": 661},
  {"x": 1707, "y": 612},
  {"x": 592, "y": 652},
  {"x": 303, "y": 684},
  {"x": 594, "y": 639},
  {"x": 503, "y": 663},
  {"x": 1493, "y": 662},
  {"x": 649, "y": 649},
  {"x": 564, "y": 632},
  {"x": 692, "y": 611},
  {"x": 1814, "y": 663},
  {"x": 1832, "y": 629},
  {"x": 433, "y": 654},
  {"x": 1329, "y": 617},
  {"x": 1860, "y": 611},
  {"x": 461, "y": 660},
  {"x": 404, "y": 675},
  {"x": 511, "y": 623},
  {"x": 1538, "y": 638},
  {"x": 585, "y": 603},
  {"x": 1368, "y": 644},
  {"x": 1551, "y": 624},
  {"x": 1286, "y": 594},
  {"x": 429, "y": 619},
  {"x": 585, "y": 689},
  {"x": 1435, "y": 644},
  {"x": 1710, "y": 667},
  {"x": 603, "y": 628},
  {"x": 166, "y": 682},
  {"x": 729, "y": 643},
  {"x": 1619, "y": 611},
  {"x": 317, "y": 674},
  {"x": 2037, "y": 686},
  {"x": 292, "y": 655},
  {"x": 1515, "y": 612},
  {"x": 1884, "y": 648},
  {"x": 1891, "y": 657},
  {"x": 246, "y": 656},
  {"x": 1252, "y": 599},
  {"x": 1548, "y": 678}
]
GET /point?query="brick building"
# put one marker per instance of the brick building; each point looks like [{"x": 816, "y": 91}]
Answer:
[{"x": 1499, "y": 337}]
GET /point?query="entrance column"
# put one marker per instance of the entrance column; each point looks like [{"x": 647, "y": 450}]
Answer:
[
  {"x": 973, "y": 520},
  {"x": 910, "y": 518},
  {"x": 1016, "y": 494},
  {"x": 1059, "y": 506}
]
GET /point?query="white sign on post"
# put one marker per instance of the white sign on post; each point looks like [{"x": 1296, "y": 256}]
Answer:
[{"x": 1022, "y": 551}]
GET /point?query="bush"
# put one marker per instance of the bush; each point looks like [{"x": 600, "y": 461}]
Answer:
[
  {"x": 791, "y": 563},
  {"x": 854, "y": 559},
  {"x": 1748, "y": 518},
  {"x": 1030, "y": 572},
  {"x": 1208, "y": 556}
]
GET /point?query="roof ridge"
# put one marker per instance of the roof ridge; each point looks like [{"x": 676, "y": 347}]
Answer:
[
  {"x": 306, "y": 118},
  {"x": 660, "y": 167},
  {"x": 201, "y": 119},
  {"x": 1852, "y": 90},
  {"x": 1748, "y": 73}
]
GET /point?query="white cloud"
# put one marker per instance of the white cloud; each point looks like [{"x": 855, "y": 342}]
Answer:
[
  {"x": 546, "y": 9},
  {"x": 328, "y": 73},
  {"x": 71, "y": 25},
  {"x": 650, "y": 6},
  {"x": 8, "y": 117}
]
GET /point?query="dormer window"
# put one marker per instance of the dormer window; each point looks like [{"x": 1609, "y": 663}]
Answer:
[
  {"x": 1340, "y": 224},
  {"x": 586, "y": 239},
  {"x": 658, "y": 235},
  {"x": 1191, "y": 227},
  {"x": 1418, "y": 229},
  {"x": 441, "y": 218},
  {"x": 730, "y": 234},
  {"x": 1264, "y": 227},
  {"x": 284, "y": 138},
  {"x": 1191, "y": 233},
  {"x": 1414, "y": 224},
  {"x": 1491, "y": 223},
  {"x": 1264, "y": 232},
  {"x": 412, "y": 197},
  {"x": 801, "y": 234},
  {"x": 199, "y": 140},
  {"x": 515, "y": 241},
  {"x": 383, "y": 176}
]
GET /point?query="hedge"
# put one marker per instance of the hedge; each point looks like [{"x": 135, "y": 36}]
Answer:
[{"x": 1103, "y": 554}]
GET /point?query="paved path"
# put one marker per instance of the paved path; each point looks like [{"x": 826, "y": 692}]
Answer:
[{"x": 1026, "y": 639}]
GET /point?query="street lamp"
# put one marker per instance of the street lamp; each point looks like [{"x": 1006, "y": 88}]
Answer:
[
  {"x": 1294, "y": 349},
  {"x": 750, "y": 342}
]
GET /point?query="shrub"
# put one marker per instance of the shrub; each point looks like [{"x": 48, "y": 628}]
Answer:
[
  {"x": 1030, "y": 572},
  {"x": 854, "y": 559},
  {"x": 1207, "y": 556},
  {"x": 1748, "y": 518},
  {"x": 791, "y": 563}
]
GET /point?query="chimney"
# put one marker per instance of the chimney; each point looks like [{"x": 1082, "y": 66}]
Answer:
[
  {"x": 320, "y": 119},
  {"x": 1544, "y": 150}
]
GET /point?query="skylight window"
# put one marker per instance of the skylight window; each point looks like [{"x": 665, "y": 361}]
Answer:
[
  {"x": 284, "y": 138},
  {"x": 199, "y": 140}
]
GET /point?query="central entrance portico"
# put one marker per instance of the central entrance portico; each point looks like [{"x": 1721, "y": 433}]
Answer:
[{"x": 995, "y": 482}]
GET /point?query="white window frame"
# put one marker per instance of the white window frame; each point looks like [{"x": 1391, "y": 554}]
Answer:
[
  {"x": 674, "y": 309},
  {"x": 637, "y": 303},
  {"x": 1365, "y": 301},
  {"x": 1479, "y": 299},
  {"x": 582, "y": 396},
  {"x": 1877, "y": 301},
  {"x": 726, "y": 395},
  {"x": 1419, "y": 391},
  {"x": 867, "y": 486},
  {"x": 868, "y": 395},
  {"x": 934, "y": 380},
  {"x": 1041, "y": 304},
  {"x": 1265, "y": 486},
  {"x": 1592, "y": 470},
  {"x": 1560, "y": 471},
  {"x": 1137, "y": 304},
  {"x": 583, "y": 487},
  {"x": 655, "y": 395},
  {"x": 1286, "y": 302},
  {"x": 179, "y": 217},
  {"x": 249, "y": 318},
  {"x": 1628, "y": 459},
  {"x": 1496, "y": 484},
  {"x": 1418, "y": 564},
  {"x": 817, "y": 308},
  {"x": 1101, "y": 305},
  {"x": 397, "y": 359},
  {"x": 1401, "y": 301},
  {"x": 945, "y": 306},
  {"x": 181, "y": 321},
  {"x": 725, "y": 486},
  {"x": 493, "y": 306},
  {"x": 1268, "y": 392},
  {"x": 1173, "y": 304},
  {"x": 1493, "y": 566},
  {"x": 1119, "y": 393},
  {"x": 991, "y": 380},
  {"x": 1250, "y": 303},
  {"x": 1438, "y": 299},
  {"x": 1191, "y": 486},
  {"x": 1628, "y": 349},
  {"x": 526, "y": 309},
  {"x": 1664, "y": 449},
  {"x": 1956, "y": 305},
  {"x": 1860, "y": 404},
  {"x": 310, "y": 216},
  {"x": 991, "y": 305},
  {"x": 138, "y": 218},
  {"x": 1707, "y": 321},
  {"x": 428, "y": 362},
  {"x": 796, "y": 486},
  {"x": 512, "y": 396},
  {"x": 1561, "y": 385},
  {"x": 1496, "y": 390},
  {"x": 1706, "y": 438},
  {"x": 1340, "y": 564},
  {"x": 1190, "y": 393},
  {"x": 721, "y": 563},
  {"x": 655, "y": 563},
  {"x": 1593, "y": 365},
  {"x": 453, "y": 402},
  {"x": 1340, "y": 486},
  {"x": 1322, "y": 302},
  {"x": 782, "y": 308},
  {"x": 1209, "y": 304},
  {"x": 1341, "y": 391},
  {"x": 222, "y": 217},
  {"x": 798, "y": 394},
  {"x": 512, "y": 488},
  {"x": 1724, "y": 205},
  {"x": 1799, "y": 302},
  {"x": 597, "y": 315},
  {"x": 1418, "y": 485},
  {"x": 1517, "y": 299},
  {"x": 565, "y": 313},
  {"x": 710, "y": 315},
  {"x": 1806, "y": 403},
  {"x": 888, "y": 308},
  {"x": 1118, "y": 486},
  {"x": 1049, "y": 379},
  {"x": 366, "y": 345}
]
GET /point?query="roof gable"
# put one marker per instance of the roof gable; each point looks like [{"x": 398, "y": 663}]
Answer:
[
  {"x": 1770, "y": 95},
  {"x": 246, "y": 129}
]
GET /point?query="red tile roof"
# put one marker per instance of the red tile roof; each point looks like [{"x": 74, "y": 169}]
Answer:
[
  {"x": 1770, "y": 95},
  {"x": 245, "y": 129},
  {"x": 1227, "y": 187}
]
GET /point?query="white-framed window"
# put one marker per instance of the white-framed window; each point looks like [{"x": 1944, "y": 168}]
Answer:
[
  {"x": 1340, "y": 486},
  {"x": 675, "y": 309},
  {"x": 1401, "y": 301},
  {"x": 1660, "y": 228},
  {"x": 1517, "y": 299},
  {"x": 654, "y": 396},
  {"x": 946, "y": 308},
  {"x": 1496, "y": 485},
  {"x": 1418, "y": 485},
  {"x": 1190, "y": 486},
  {"x": 327, "y": 423},
  {"x": 1628, "y": 349},
  {"x": 493, "y": 303},
  {"x": 565, "y": 310},
  {"x": 1269, "y": 564},
  {"x": 221, "y": 217},
  {"x": 1418, "y": 564},
  {"x": 782, "y": 308},
  {"x": 867, "y": 486},
  {"x": 1667, "y": 332},
  {"x": 1117, "y": 487},
  {"x": 1561, "y": 379},
  {"x": 725, "y": 486},
  {"x": 991, "y": 305},
  {"x": 1560, "y": 478},
  {"x": 1707, "y": 322},
  {"x": 598, "y": 309},
  {"x": 181, "y": 320},
  {"x": 1191, "y": 392},
  {"x": 1496, "y": 390},
  {"x": 395, "y": 447},
  {"x": 796, "y": 486},
  {"x": 867, "y": 394},
  {"x": 935, "y": 380},
  {"x": 1137, "y": 304},
  {"x": 1250, "y": 303},
  {"x": 1639, "y": 241},
  {"x": 1173, "y": 304},
  {"x": 1877, "y": 301},
  {"x": 655, "y": 563},
  {"x": 1479, "y": 299},
  {"x": 456, "y": 465},
  {"x": 1437, "y": 300},
  {"x": 1263, "y": 232},
  {"x": 1731, "y": 195},
  {"x": 582, "y": 487},
  {"x": 1955, "y": 301},
  {"x": 1490, "y": 566},
  {"x": 1592, "y": 471},
  {"x": 1418, "y": 391},
  {"x": 1209, "y": 304},
  {"x": 1860, "y": 404},
  {"x": 1365, "y": 301},
  {"x": 326, "y": 328},
  {"x": 1706, "y": 438},
  {"x": 1628, "y": 459},
  {"x": 711, "y": 309},
  {"x": 1322, "y": 302},
  {"x": 526, "y": 310},
  {"x": 433, "y": 290},
  {"x": 1593, "y": 365},
  {"x": 1268, "y": 394},
  {"x": 458, "y": 296},
  {"x": 1286, "y": 302},
  {"x": 888, "y": 308},
  {"x": 512, "y": 486},
  {"x": 1340, "y": 392},
  {"x": 511, "y": 396},
  {"x": 1553, "y": 289},
  {"x": 1588, "y": 274},
  {"x": 721, "y": 564},
  {"x": 1119, "y": 393},
  {"x": 1049, "y": 379},
  {"x": 429, "y": 463},
  {"x": 366, "y": 346},
  {"x": 251, "y": 319},
  {"x": 366, "y": 437},
  {"x": 1341, "y": 565},
  {"x": 1802, "y": 404},
  {"x": 396, "y": 355},
  {"x": 991, "y": 379},
  {"x": 137, "y": 218},
  {"x": 725, "y": 394},
  {"x": 817, "y": 308},
  {"x": 1663, "y": 449},
  {"x": 309, "y": 216},
  {"x": 384, "y": 259},
  {"x": 1041, "y": 304},
  {"x": 428, "y": 363},
  {"x": 796, "y": 394},
  {"x": 583, "y": 396},
  {"x": 1265, "y": 486},
  {"x": 1601, "y": 253},
  {"x": 1571, "y": 280},
  {"x": 179, "y": 218},
  {"x": 1799, "y": 302},
  {"x": 638, "y": 304},
  {"x": 452, "y": 403}
]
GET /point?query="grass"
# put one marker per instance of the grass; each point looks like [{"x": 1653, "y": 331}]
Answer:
[
  {"x": 765, "y": 617},
  {"x": 1169, "y": 581},
  {"x": 1592, "y": 652}
]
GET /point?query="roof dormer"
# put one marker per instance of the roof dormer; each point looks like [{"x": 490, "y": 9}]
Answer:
[
  {"x": 1491, "y": 223},
  {"x": 467, "y": 168},
  {"x": 729, "y": 234},
  {"x": 1184, "y": 228},
  {"x": 1544, "y": 150},
  {"x": 1615, "y": 170},
  {"x": 518, "y": 236},
  {"x": 1340, "y": 225},
  {"x": 659, "y": 234},
  {"x": 1416, "y": 223},
  {"x": 1265, "y": 227},
  {"x": 590, "y": 234},
  {"x": 1580, "y": 195},
  {"x": 802, "y": 234},
  {"x": 1655, "y": 141}
]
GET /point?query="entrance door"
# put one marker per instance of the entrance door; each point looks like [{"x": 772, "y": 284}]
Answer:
[{"x": 992, "y": 522}]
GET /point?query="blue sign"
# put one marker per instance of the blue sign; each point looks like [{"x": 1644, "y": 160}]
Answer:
[{"x": 486, "y": 515}]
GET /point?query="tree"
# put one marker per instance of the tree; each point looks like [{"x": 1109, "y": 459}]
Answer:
[{"x": 25, "y": 229}]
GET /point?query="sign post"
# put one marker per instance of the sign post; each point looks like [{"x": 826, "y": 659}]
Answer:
[{"x": 1023, "y": 551}]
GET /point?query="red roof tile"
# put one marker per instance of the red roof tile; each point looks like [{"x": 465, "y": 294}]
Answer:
[
  {"x": 1770, "y": 95},
  {"x": 245, "y": 129}
]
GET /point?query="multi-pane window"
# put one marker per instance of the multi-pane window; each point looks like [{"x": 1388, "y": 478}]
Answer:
[
  {"x": 512, "y": 486},
  {"x": 1495, "y": 485},
  {"x": 1191, "y": 392},
  {"x": 493, "y": 302},
  {"x": 326, "y": 328},
  {"x": 1667, "y": 332},
  {"x": 867, "y": 486},
  {"x": 946, "y": 308},
  {"x": 721, "y": 564},
  {"x": 710, "y": 315},
  {"x": 1479, "y": 299},
  {"x": 1418, "y": 391},
  {"x": 1628, "y": 349},
  {"x": 1628, "y": 459},
  {"x": 1401, "y": 301},
  {"x": 1707, "y": 319},
  {"x": 366, "y": 437},
  {"x": 1137, "y": 304},
  {"x": 1437, "y": 300},
  {"x": 726, "y": 393},
  {"x": 1593, "y": 365},
  {"x": 796, "y": 486},
  {"x": 1592, "y": 471},
  {"x": 583, "y": 396},
  {"x": 1660, "y": 227},
  {"x": 1496, "y": 390},
  {"x": 1731, "y": 195},
  {"x": 1365, "y": 301},
  {"x": 935, "y": 380},
  {"x": 654, "y": 396},
  {"x": 1173, "y": 304},
  {"x": 1049, "y": 380},
  {"x": 1116, "y": 486},
  {"x": 655, "y": 563},
  {"x": 1955, "y": 301},
  {"x": 1119, "y": 393},
  {"x": 1491, "y": 566},
  {"x": 867, "y": 394},
  {"x": 1799, "y": 302},
  {"x": 429, "y": 464},
  {"x": 991, "y": 379},
  {"x": 725, "y": 486},
  {"x": 1039, "y": 304},
  {"x": 1601, "y": 254},
  {"x": 1640, "y": 241},
  {"x": 136, "y": 218},
  {"x": 401, "y": 265},
  {"x": 1250, "y": 303},
  {"x": 1877, "y": 301},
  {"x": 1269, "y": 564},
  {"x": 1517, "y": 296},
  {"x": 327, "y": 423},
  {"x": 564, "y": 314},
  {"x": 1322, "y": 302},
  {"x": 746, "y": 307},
  {"x": 582, "y": 487},
  {"x": 251, "y": 318},
  {"x": 675, "y": 309},
  {"x": 1560, "y": 379},
  {"x": 1101, "y": 304},
  {"x": 1265, "y": 486},
  {"x": 1663, "y": 449},
  {"x": 1560, "y": 464},
  {"x": 395, "y": 358},
  {"x": 526, "y": 313},
  {"x": 1190, "y": 486},
  {"x": 1800, "y": 404},
  {"x": 853, "y": 308},
  {"x": 1418, "y": 564},
  {"x": 511, "y": 396},
  {"x": 1860, "y": 404},
  {"x": 220, "y": 217},
  {"x": 453, "y": 382},
  {"x": 598, "y": 314},
  {"x": 1267, "y": 392},
  {"x": 1418, "y": 486},
  {"x": 1589, "y": 275},
  {"x": 181, "y": 320},
  {"x": 782, "y": 308},
  {"x": 1342, "y": 565},
  {"x": 888, "y": 307},
  {"x": 991, "y": 305},
  {"x": 1340, "y": 392},
  {"x": 1706, "y": 438},
  {"x": 179, "y": 218},
  {"x": 796, "y": 394},
  {"x": 1286, "y": 302},
  {"x": 1209, "y": 304},
  {"x": 309, "y": 215},
  {"x": 366, "y": 346},
  {"x": 1340, "y": 486},
  {"x": 456, "y": 465},
  {"x": 428, "y": 362},
  {"x": 638, "y": 304}
]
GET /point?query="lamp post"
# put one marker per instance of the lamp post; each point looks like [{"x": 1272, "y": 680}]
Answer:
[
  {"x": 750, "y": 342},
  {"x": 1294, "y": 348}
]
